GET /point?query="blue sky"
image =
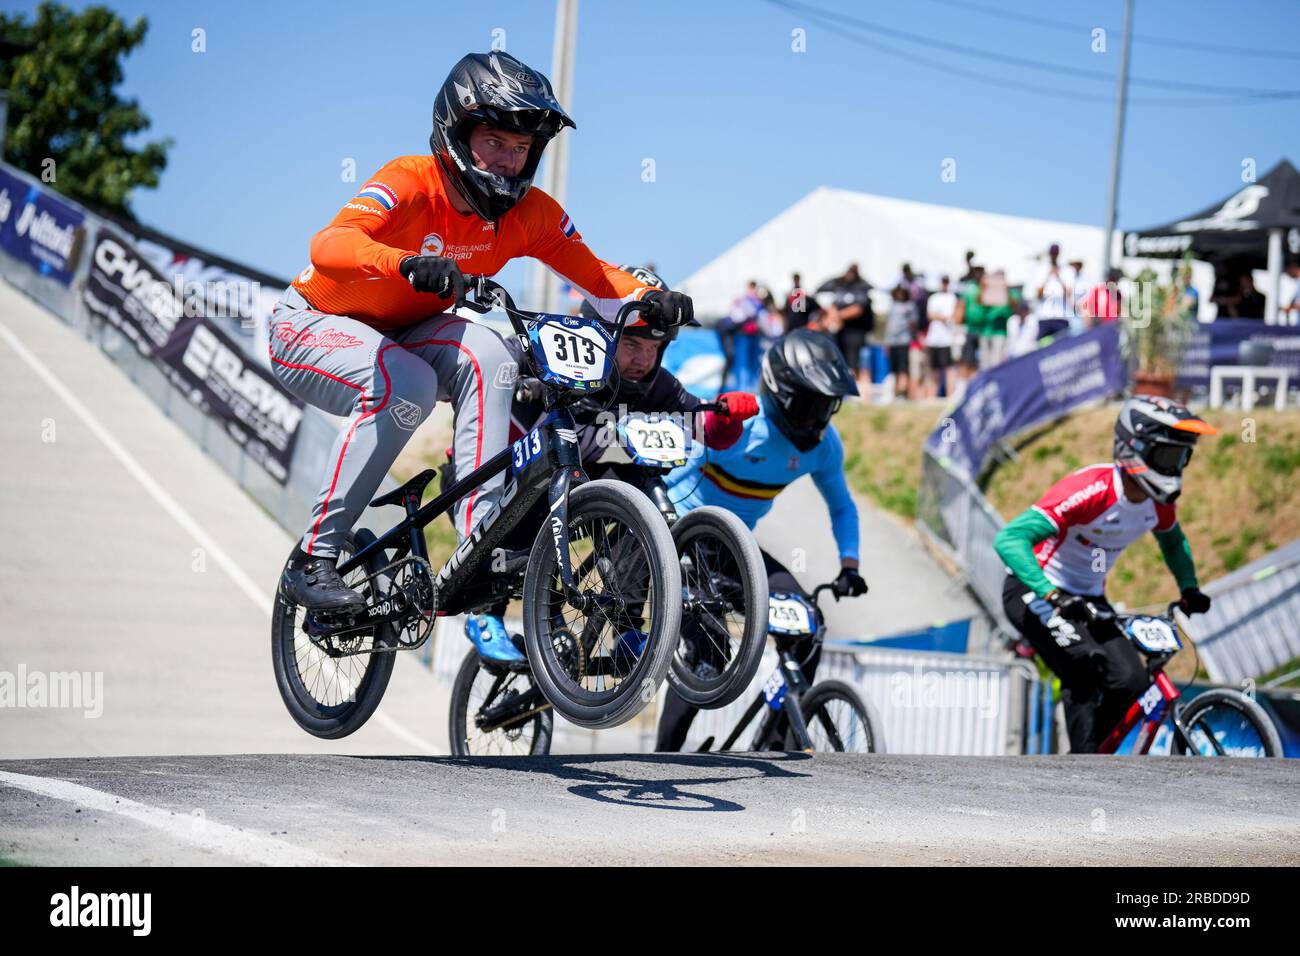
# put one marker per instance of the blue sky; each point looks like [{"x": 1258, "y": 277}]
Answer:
[{"x": 739, "y": 125}]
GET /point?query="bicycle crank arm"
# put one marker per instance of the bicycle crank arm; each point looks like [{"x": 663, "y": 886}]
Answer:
[{"x": 499, "y": 718}]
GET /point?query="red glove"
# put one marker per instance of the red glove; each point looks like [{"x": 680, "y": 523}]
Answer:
[
  {"x": 723, "y": 431},
  {"x": 740, "y": 405}
]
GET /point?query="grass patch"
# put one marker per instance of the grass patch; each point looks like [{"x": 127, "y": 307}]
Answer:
[
  {"x": 1288, "y": 667},
  {"x": 882, "y": 451}
]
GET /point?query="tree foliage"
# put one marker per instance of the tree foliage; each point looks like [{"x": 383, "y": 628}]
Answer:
[{"x": 61, "y": 73}]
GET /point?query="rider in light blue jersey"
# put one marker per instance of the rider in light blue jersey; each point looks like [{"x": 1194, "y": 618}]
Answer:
[{"x": 804, "y": 380}]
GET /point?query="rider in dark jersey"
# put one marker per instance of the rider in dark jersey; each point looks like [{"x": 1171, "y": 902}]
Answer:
[{"x": 643, "y": 385}]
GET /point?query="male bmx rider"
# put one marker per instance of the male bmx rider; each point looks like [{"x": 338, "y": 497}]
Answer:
[
  {"x": 1059, "y": 550},
  {"x": 642, "y": 385},
  {"x": 364, "y": 331},
  {"x": 804, "y": 380}
]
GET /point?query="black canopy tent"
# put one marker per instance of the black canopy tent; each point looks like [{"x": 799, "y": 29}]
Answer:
[{"x": 1248, "y": 230}]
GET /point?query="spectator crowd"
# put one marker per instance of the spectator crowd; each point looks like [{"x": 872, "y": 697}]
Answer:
[{"x": 935, "y": 333}]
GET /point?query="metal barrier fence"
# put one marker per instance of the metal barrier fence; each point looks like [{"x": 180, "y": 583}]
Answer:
[
  {"x": 919, "y": 702},
  {"x": 1253, "y": 627},
  {"x": 954, "y": 516}
]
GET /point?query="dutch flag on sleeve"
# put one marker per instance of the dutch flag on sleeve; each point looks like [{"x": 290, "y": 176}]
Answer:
[
  {"x": 567, "y": 227},
  {"x": 379, "y": 193}
]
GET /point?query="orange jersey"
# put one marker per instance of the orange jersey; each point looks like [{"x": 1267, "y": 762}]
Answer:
[{"x": 403, "y": 210}]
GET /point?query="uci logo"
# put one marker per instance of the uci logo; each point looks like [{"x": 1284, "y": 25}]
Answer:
[{"x": 432, "y": 245}]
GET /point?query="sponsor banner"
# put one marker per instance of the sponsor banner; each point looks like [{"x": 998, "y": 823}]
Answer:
[
  {"x": 131, "y": 294},
  {"x": 204, "y": 361},
  {"x": 1220, "y": 343},
  {"x": 237, "y": 297},
  {"x": 38, "y": 228},
  {"x": 210, "y": 368},
  {"x": 1028, "y": 391}
]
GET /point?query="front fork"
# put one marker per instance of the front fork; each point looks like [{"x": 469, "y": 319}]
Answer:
[{"x": 557, "y": 512}]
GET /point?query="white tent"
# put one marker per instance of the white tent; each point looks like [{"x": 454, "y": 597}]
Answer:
[{"x": 829, "y": 228}]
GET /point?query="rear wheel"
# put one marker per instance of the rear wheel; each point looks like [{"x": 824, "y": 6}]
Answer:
[
  {"x": 332, "y": 684},
  {"x": 724, "y": 615},
  {"x": 496, "y": 711},
  {"x": 837, "y": 720},
  {"x": 601, "y": 665},
  {"x": 1227, "y": 723}
]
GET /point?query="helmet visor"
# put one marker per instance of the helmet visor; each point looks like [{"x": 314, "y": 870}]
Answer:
[
  {"x": 810, "y": 410},
  {"x": 1169, "y": 459}
]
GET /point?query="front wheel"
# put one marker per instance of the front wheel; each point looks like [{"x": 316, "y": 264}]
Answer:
[
  {"x": 724, "y": 615},
  {"x": 1227, "y": 723},
  {"x": 496, "y": 710},
  {"x": 837, "y": 720},
  {"x": 600, "y": 665}
]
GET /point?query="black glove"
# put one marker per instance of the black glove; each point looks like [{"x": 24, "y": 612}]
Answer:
[
  {"x": 1195, "y": 601},
  {"x": 1071, "y": 606},
  {"x": 434, "y": 274},
  {"x": 670, "y": 308},
  {"x": 849, "y": 583},
  {"x": 528, "y": 390}
]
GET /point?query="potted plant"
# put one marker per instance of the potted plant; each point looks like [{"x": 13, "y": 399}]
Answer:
[{"x": 1156, "y": 334}]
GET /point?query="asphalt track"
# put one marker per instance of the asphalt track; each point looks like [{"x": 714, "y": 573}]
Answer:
[
  {"x": 128, "y": 555},
  {"x": 650, "y": 809}
]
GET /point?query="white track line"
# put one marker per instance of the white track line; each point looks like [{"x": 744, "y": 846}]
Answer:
[
  {"x": 203, "y": 833},
  {"x": 173, "y": 508}
]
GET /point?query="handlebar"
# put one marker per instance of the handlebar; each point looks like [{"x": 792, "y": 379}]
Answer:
[
  {"x": 489, "y": 294},
  {"x": 817, "y": 592},
  {"x": 1098, "y": 614}
]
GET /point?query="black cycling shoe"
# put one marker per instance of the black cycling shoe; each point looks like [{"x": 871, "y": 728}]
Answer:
[{"x": 314, "y": 583}]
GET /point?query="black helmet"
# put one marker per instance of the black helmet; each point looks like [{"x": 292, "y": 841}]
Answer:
[
  {"x": 805, "y": 378},
  {"x": 496, "y": 89},
  {"x": 1154, "y": 437}
]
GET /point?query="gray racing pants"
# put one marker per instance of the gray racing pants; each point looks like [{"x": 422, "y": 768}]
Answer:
[{"x": 385, "y": 385}]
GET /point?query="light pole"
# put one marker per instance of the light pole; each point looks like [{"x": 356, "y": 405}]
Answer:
[
  {"x": 1121, "y": 101},
  {"x": 556, "y": 169}
]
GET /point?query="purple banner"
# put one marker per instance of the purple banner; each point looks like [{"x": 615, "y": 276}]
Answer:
[
  {"x": 1028, "y": 391},
  {"x": 38, "y": 228},
  {"x": 1219, "y": 343}
]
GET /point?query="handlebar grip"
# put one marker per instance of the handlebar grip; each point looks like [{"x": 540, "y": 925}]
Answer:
[{"x": 1096, "y": 613}]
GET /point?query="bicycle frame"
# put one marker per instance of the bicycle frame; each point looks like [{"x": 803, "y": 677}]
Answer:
[
  {"x": 1149, "y": 710},
  {"x": 793, "y": 685},
  {"x": 554, "y": 467},
  {"x": 1158, "y": 702},
  {"x": 547, "y": 458}
]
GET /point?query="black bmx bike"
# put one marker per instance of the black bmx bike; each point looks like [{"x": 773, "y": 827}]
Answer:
[
  {"x": 498, "y": 707},
  {"x": 828, "y": 716},
  {"x": 602, "y": 563}
]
